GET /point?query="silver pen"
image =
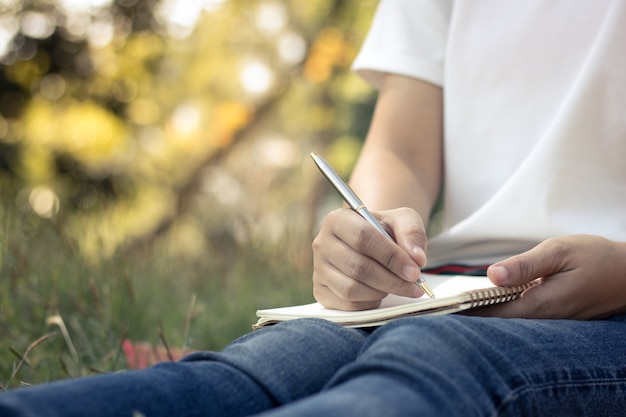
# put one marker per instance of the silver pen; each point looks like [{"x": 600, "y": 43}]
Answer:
[{"x": 357, "y": 205}]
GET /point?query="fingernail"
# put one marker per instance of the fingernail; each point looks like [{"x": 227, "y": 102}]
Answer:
[
  {"x": 410, "y": 272},
  {"x": 500, "y": 272}
]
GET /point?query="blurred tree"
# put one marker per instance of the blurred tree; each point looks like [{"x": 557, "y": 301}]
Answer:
[{"x": 123, "y": 121}]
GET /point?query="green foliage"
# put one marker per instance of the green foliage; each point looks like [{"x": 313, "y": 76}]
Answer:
[
  {"x": 119, "y": 123},
  {"x": 47, "y": 290}
]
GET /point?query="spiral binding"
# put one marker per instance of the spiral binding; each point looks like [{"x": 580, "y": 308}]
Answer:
[{"x": 496, "y": 295}]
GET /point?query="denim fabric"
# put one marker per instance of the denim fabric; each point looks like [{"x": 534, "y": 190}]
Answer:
[{"x": 430, "y": 366}]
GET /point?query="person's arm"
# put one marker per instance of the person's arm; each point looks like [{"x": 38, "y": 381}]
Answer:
[
  {"x": 400, "y": 168},
  {"x": 401, "y": 163}
]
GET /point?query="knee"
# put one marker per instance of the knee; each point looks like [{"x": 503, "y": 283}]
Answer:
[
  {"x": 290, "y": 359},
  {"x": 433, "y": 345},
  {"x": 432, "y": 357},
  {"x": 440, "y": 332},
  {"x": 290, "y": 337},
  {"x": 300, "y": 336}
]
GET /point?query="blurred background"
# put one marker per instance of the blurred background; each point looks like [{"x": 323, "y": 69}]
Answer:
[{"x": 155, "y": 183}]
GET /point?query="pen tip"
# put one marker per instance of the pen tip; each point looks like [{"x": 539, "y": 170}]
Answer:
[{"x": 425, "y": 287}]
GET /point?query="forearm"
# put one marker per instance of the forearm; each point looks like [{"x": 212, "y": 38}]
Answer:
[
  {"x": 384, "y": 181},
  {"x": 401, "y": 162},
  {"x": 400, "y": 165}
]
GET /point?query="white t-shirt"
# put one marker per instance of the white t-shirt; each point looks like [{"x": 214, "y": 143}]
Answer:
[{"x": 535, "y": 115}]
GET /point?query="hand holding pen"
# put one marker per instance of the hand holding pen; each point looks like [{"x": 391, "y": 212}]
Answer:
[{"x": 355, "y": 203}]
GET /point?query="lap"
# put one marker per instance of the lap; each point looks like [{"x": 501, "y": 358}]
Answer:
[
  {"x": 442, "y": 365},
  {"x": 260, "y": 370},
  {"x": 499, "y": 366}
]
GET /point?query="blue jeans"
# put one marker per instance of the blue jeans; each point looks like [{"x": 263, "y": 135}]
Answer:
[{"x": 430, "y": 366}]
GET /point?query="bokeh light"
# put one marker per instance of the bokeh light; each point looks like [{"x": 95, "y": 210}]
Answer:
[
  {"x": 256, "y": 77},
  {"x": 43, "y": 201},
  {"x": 114, "y": 111}
]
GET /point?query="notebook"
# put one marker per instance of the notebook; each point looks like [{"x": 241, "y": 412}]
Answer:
[{"x": 453, "y": 294}]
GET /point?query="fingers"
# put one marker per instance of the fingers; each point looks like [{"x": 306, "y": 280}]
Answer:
[
  {"x": 347, "y": 280},
  {"x": 371, "y": 253},
  {"x": 546, "y": 259},
  {"x": 409, "y": 232},
  {"x": 355, "y": 266},
  {"x": 536, "y": 303},
  {"x": 351, "y": 297},
  {"x": 581, "y": 277}
]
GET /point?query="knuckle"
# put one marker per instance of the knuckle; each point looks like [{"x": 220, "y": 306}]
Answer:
[
  {"x": 390, "y": 259},
  {"x": 350, "y": 291},
  {"x": 557, "y": 250},
  {"x": 405, "y": 211},
  {"x": 334, "y": 215},
  {"x": 331, "y": 222},
  {"x": 362, "y": 237},
  {"x": 317, "y": 244},
  {"x": 358, "y": 266},
  {"x": 418, "y": 232},
  {"x": 317, "y": 290},
  {"x": 318, "y": 274},
  {"x": 524, "y": 266},
  {"x": 334, "y": 212},
  {"x": 320, "y": 292}
]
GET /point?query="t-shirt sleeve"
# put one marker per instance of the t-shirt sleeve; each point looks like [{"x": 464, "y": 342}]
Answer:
[{"x": 407, "y": 37}]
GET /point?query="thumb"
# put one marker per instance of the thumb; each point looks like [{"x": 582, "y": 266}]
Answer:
[{"x": 541, "y": 261}]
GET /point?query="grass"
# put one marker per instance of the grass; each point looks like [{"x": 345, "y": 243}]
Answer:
[{"x": 61, "y": 317}]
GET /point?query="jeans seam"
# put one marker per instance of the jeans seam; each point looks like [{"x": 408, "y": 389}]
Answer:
[{"x": 520, "y": 392}]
